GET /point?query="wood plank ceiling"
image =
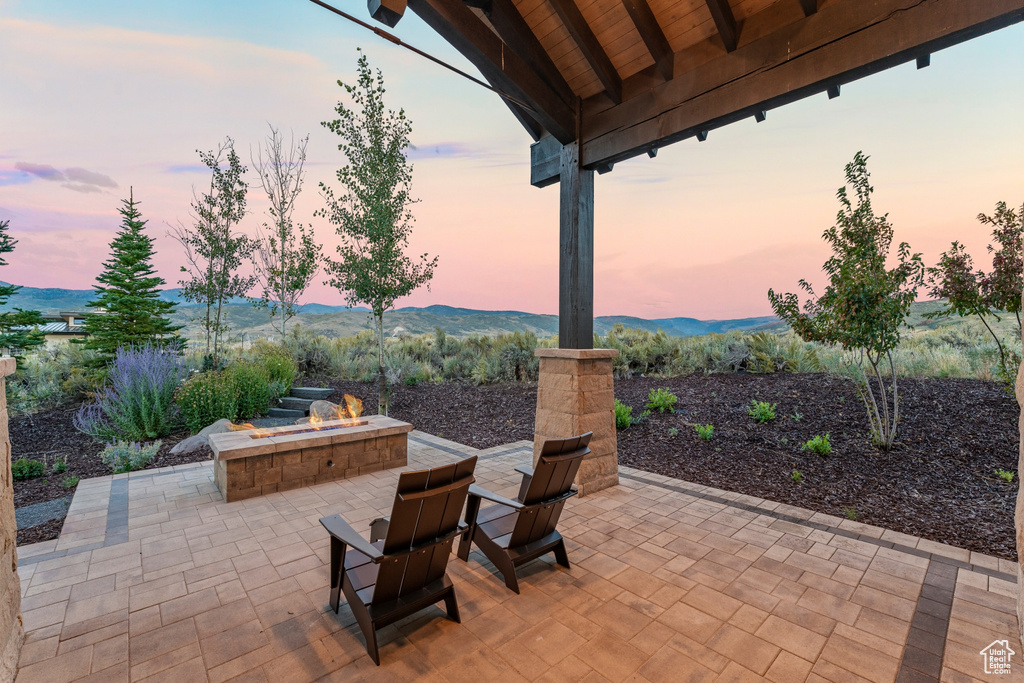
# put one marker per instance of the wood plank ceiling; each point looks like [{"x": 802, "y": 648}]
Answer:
[{"x": 628, "y": 76}]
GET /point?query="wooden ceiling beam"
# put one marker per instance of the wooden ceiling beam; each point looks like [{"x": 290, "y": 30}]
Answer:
[
  {"x": 518, "y": 35},
  {"x": 809, "y": 7},
  {"x": 501, "y": 66},
  {"x": 845, "y": 40},
  {"x": 721, "y": 12},
  {"x": 591, "y": 48},
  {"x": 653, "y": 36}
]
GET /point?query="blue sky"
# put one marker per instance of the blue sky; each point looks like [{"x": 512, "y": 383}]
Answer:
[{"x": 128, "y": 91}]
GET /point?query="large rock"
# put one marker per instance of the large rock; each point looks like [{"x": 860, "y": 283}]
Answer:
[{"x": 194, "y": 443}]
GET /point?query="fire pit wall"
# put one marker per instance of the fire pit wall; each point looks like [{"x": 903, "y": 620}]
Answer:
[
  {"x": 576, "y": 394},
  {"x": 245, "y": 467}
]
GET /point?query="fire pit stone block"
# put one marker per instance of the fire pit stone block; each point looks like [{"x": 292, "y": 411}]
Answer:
[{"x": 246, "y": 467}]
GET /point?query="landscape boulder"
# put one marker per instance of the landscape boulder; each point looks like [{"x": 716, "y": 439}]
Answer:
[
  {"x": 194, "y": 443},
  {"x": 325, "y": 410}
]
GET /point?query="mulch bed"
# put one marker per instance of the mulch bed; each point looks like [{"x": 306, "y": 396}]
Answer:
[
  {"x": 481, "y": 417},
  {"x": 938, "y": 482},
  {"x": 49, "y": 437}
]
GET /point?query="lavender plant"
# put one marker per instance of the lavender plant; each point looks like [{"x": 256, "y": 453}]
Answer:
[{"x": 137, "y": 403}]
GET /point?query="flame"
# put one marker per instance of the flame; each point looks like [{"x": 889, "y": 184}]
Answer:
[
  {"x": 353, "y": 407},
  {"x": 315, "y": 420},
  {"x": 241, "y": 427}
]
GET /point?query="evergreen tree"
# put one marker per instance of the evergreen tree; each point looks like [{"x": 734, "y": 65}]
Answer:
[
  {"x": 18, "y": 331},
  {"x": 129, "y": 310}
]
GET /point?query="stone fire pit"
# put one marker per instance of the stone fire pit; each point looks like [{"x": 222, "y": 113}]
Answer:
[{"x": 255, "y": 462}]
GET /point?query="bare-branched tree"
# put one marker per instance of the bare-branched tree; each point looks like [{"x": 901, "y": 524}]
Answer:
[{"x": 287, "y": 255}]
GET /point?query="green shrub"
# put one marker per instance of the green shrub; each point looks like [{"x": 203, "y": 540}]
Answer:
[
  {"x": 253, "y": 389},
  {"x": 762, "y": 411},
  {"x": 207, "y": 397},
  {"x": 279, "y": 364},
  {"x": 661, "y": 400},
  {"x": 126, "y": 456},
  {"x": 819, "y": 444},
  {"x": 672, "y": 431},
  {"x": 60, "y": 467},
  {"x": 23, "y": 468},
  {"x": 851, "y": 513},
  {"x": 71, "y": 482},
  {"x": 705, "y": 431},
  {"x": 797, "y": 476},
  {"x": 623, "y": 415},
  {"x": 49, "y": 378}
]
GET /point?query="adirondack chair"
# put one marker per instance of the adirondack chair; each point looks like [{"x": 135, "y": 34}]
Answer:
[
  {"x": 514, "y": 532},
  {"x": 389, "y": 579}
]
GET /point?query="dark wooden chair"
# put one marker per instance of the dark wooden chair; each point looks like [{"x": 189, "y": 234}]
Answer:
[
  {"x": 514, "y": 532},
  {"x": 404, "y": 573}
]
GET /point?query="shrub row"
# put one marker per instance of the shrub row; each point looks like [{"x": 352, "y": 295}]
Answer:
[{"x": 961, "y": 350}]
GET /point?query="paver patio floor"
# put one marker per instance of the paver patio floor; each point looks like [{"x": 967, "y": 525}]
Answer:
[{"x": 156, "y": 578}]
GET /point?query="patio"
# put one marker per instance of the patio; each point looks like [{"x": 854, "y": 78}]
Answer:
[{"x": 156, "y": 578}]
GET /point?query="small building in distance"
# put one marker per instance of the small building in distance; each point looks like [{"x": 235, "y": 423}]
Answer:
[{"x": 63, "y": 327}]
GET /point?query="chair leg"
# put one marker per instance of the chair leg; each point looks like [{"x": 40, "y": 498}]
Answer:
[
  {"x": 561, "y": 557},
  {"x": 466, "y": 541},
  {"x": 451, "y": 606},
  {"x": 371, "y": 644},
  {"x": 508, "y": 572},
  {"x": 337, "y": 571},
  {"x": 369, "y": 630}
]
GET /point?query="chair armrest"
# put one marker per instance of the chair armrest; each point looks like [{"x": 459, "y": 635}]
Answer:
[
  {"x": 480, "y": 492},
  {"x": 379, "y": 528},
  {"x": 343, "y": 531},
  {"x": 524, "y": 485}
]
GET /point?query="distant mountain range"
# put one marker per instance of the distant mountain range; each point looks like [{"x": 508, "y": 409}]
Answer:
[{"x": 343, "y": 321}]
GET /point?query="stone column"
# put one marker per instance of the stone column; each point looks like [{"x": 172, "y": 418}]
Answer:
[
  {"x": 11, "y": 630},
  {"x": 1019, "y": 511},
  {"x": 575, "y": 394}
]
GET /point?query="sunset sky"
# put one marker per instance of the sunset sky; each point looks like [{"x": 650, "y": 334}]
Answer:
[{"x": 100, "y": 96}]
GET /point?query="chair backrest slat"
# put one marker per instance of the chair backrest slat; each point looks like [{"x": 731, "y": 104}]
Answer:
[
  {"x": 552, "y": 478},
  {"x": 428, "y": 504}
]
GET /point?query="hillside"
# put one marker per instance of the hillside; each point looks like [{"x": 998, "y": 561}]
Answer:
[{"x": 337, "y": 321}]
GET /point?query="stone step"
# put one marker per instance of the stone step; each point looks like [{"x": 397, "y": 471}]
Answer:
[
  {"x": 285, "y": 412},
  {"x": 294, "y": 403},
  {"x": 314, "y": 393}
]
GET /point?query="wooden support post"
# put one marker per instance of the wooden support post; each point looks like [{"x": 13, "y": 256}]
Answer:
[{"x": 576, "y": 253}]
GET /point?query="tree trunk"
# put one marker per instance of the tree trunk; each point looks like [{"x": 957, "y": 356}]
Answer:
[{"x": 382, "y": 402}]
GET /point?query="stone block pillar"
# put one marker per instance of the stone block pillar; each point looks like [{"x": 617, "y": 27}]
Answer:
[
  {"x": 12, "y": 631},
  {"x": 1019, "y": 511},
  {"x": 575, "y": 394}
]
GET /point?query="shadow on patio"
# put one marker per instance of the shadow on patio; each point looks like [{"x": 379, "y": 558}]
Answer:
[{"x": 155, "y": 578}]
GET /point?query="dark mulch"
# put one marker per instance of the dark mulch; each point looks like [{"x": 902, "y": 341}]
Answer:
[
  {"x": 938, "y": 482},
  {"x": 51, "y": 436},
  {"x": 482, "y": 417},
  {"x": 40, "y": 532}
]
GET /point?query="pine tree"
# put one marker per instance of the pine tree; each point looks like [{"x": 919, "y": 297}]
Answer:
[
  {"x": 18, "y": 331},
  {"x": 129, "y": 310}
]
